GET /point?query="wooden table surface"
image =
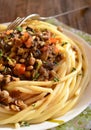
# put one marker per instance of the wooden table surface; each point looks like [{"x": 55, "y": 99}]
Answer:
[{"x": 10, "y": 9}]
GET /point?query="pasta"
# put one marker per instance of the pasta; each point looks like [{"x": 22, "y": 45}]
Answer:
[{"x": 42, "y": 95}]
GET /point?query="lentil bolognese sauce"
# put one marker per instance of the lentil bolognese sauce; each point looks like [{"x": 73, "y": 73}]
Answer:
[
  {"x": 27, "y": 54},
  {"x": 43, "y": 73}
]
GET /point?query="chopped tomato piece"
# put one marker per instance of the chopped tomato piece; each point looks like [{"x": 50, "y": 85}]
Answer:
[
  {"x": 28, "y": 43},
  {"x": 19, "y": 69}
]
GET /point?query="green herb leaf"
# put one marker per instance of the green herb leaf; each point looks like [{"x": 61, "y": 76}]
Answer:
[
  {"x": 33, "y": 104},
  {"x": 5, "y": 70},
  {"x": 53, "y": 35},
  {"x": 1, "y": 53},
  {"x": 73, "y": 69},
  {"x": 19, "y": 29},
  {"x": 24, "y": 123},
  {"x": 55, "y": 62},
  {"x": 64, "y": 43},
  {"x": 56, "y": 79},
  {"x": 36, "y": 76},
  {"x": 29, "y": 29},
  {"x": 80, "y": 74}
]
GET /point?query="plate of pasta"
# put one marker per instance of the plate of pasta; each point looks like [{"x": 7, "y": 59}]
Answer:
[{"x": 44, "y": 76}]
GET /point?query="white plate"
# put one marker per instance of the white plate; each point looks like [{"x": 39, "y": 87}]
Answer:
[{"x": 84, "y": 101}]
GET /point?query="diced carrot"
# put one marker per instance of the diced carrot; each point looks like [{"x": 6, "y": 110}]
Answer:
[
  {"x": 9, "y": 31},
  {"x": 19, "y": 69},
  {"x": 56, "y": 50},
  {"x": 28, "y": 43},
  {"x": 53, "y": 40},
  {"x": 25, "y": 36}
]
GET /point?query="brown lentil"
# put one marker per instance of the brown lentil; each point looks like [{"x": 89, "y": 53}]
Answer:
[
  {"x": 28, "y": 74},
  {"x": 22, "y": 60},
  {"x": 32, "y": 61},
  {"x": 30, "y": 67}
]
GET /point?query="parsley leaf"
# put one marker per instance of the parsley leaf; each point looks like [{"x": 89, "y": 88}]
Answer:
[
  {"x": 64, "y": 43},
  {"x": 33, "y": 105},
  {"x": 18, "y": 28},
  {"x": 36, "y": 76},
  {"x": 56, "y": 79},
  {"x": 1, "y": 53},
  {"x": 24, "y": 123},
  {"x": 73, "y": 69}
]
